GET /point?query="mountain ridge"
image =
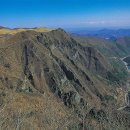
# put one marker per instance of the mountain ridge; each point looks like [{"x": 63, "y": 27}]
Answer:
[{"x": 49, "y": 79}]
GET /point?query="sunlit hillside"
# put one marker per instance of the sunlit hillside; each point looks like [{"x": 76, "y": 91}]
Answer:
[{"x": 14, "y": 31}]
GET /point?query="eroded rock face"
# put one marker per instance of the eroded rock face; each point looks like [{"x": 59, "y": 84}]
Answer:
[
  {"x": 44, "y": 74},
  {"x": 55, "y": 57}
]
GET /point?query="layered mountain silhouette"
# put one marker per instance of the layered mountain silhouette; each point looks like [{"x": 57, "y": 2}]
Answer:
[
  {"x": 111, "y": 34},
  {"x": 50, "y": 80}
]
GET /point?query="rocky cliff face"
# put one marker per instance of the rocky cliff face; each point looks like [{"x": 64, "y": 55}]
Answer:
[{"x": 47, "y": 78}]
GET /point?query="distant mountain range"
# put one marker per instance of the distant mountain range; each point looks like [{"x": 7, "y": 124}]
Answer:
[
  {"x": 104, "y": 33},
  {"x": 1, "y": 27}
]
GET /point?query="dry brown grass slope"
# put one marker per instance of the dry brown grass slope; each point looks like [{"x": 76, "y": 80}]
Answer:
[
  {"x": 14, "y": 31},
  {"x": 48, "y": 81}
]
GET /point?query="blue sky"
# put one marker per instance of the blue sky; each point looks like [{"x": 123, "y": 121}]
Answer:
[{"x": 65, "y": 13}]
